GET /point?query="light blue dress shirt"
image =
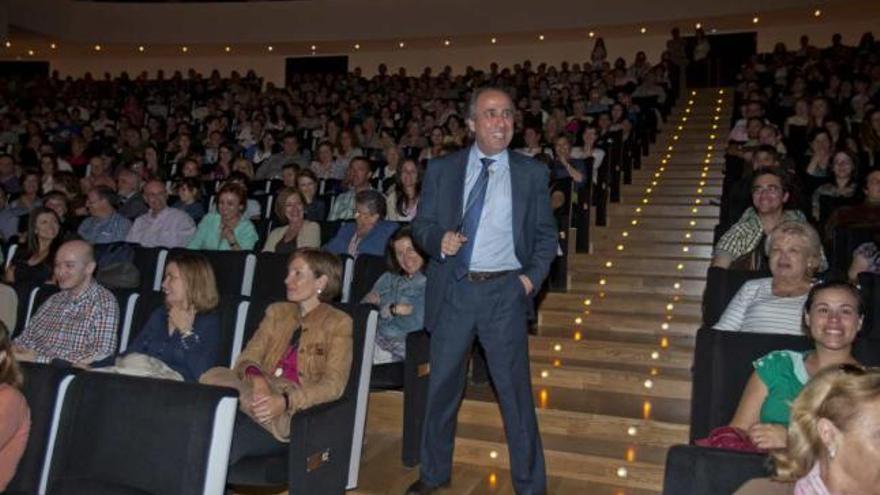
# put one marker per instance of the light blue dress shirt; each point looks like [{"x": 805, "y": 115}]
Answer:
[{"x": 493, "y": 246}]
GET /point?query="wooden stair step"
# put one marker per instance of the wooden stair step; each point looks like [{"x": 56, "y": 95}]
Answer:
[
  {"x": 603, "y": 351},
  {"x": 651, "y": 209},
  {"x": 642, "y": 248},
  {"x": 632, "y": 197},
  {"x": 682, "y": 336},
  {"x": 639, "y": 285},
  {"x": 646, "y": 234},
  {"x": 659, "y": 222}
]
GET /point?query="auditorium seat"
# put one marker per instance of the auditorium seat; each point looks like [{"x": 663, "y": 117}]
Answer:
[
  {"x": 367, "y": 270},
  {"x": 269, "y": 276},
  {"x": 325, "y": 448},
  {"x": 155, "y": 437},
  {"x": 696, "y": 470},
  {"x": 417, "y": 370},
  {"x": 721, "y": 285},
  {"x": 43, "y": 384},
  {"x": 844, "y": 241},
  {"x": 869, "y": 283},
  {"x": 722, "y": 366},
  {"x": 329, "y": 229},
  {"x": 150, "y": 263},
  {"x": 234, "y": 270}
]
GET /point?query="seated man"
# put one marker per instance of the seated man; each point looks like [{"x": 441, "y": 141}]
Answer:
[
  {"x": 369, "y": 233},
  {"x": 865, "y": 214},
  {"x": 104, "y": 225},
  {"x": 358, "y": 176},
  {"x": 739, "y": 197},
  {"x": 161, "y": 226},
  {"x": 78, "y": 324},
  {"x": 128, "y": 187},
  {"x": 741, "y": 244}
]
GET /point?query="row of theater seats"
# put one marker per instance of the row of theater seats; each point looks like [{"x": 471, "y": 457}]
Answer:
[
  {"x": 95, "y": 433},
  {"x": 722, "y": 366}
]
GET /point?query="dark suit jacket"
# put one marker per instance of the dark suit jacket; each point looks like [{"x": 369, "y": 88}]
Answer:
[
  {"x": 374, "y": 243},
  {"x": 440, "y": 211}
]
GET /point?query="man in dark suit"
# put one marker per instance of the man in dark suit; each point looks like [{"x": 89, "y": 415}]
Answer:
[{"x": 484, "y": 218}]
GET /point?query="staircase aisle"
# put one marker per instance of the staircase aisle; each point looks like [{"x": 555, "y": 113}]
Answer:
[{"x": 610, "y": 361}]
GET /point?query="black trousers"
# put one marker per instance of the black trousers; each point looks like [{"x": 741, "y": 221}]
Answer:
[{"x": 251, "y": 440}]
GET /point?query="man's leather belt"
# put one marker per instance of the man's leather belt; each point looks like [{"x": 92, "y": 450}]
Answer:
[{"x": 485, "y": 276}]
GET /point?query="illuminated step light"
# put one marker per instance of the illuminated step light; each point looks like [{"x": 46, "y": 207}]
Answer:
[
  {"x": 624, "y": 233},
  {"x": 664, "y": 326},
  {"x": 578, "y": 320},
  {"x": 679, "y": 267},
  {"x": 655, "y": 355},
  {"x": 557, "y": 347},
  {"x": 621, "y": 472},
  {"x": 545, "y": 374},
  {"x": 587, "y": 302},
  {"x": 670, "y": 307},
  {"x": 632, "y": 431},
  {"x": 608, "y": 264},
  {"x": 676, "y": 285},
  {"x": 631, "y": 454},
  {"x": 493, "y": 454},
  {"x": 602, "y": 281},
  {"x": 577, "y": 338},
  {"x": 649, "y": 384},
  {"x": 664, "y": 342}
]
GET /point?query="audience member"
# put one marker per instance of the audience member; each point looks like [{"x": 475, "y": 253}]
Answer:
[
  {"x": 128, "y": 189},
  {"x": 300, "y": 356},
  {"x": 403, "y": 199},
  {"x": 34, "y": 262},
  {"x": 833, "y": 314},
  {"x": 8, "y": 178},
  {"x": 8, "y": 218},
  {"x": 774, "y": 304},
  {"x": 99, "y": 174},
  {"x": 843, "y": 182},
  {"x": 15, "y": 416},
  {"x": 104, "y": 224},
  {"x": 740, "y": 245},
  {"x": 400, "y": 295},
  {"x": 227, "y": 229},
  {"x": 369, "y": 233},
  {"x": 325, "y": 167},
  {"x": 298, "y": 232},
  {"x": 358, "y": 178},
  {"x": 161, "y": 226},
  {"x": 29, "y": 199},
  {"x": 290, "y": 154},
  {"x": 78, "y": 324},
  {"x": 184, "y": 334},
  {"x": 189, "y": 192},
  {"x": 830, "y": 447},
  {"x": 866, "y": 214},
  {"x": 315, "y": 207}
]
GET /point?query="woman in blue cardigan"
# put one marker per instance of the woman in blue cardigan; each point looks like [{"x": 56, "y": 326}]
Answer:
[{"x": 184, "y": 333}]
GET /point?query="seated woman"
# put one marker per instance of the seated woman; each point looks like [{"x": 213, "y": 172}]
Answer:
[
  {"x": 15, "y": 416},
  {"x": 833, "y": 316},
  {"x": 184, "y": 334},
  {"x": 400, "y": 295},
  {"x": 315, "y": 207},
  {"x": 832, "y": 447},
  {"x": 299, "y": 232},
  {"x": 866, "y": 259},
  {"x": 774, "y": 304},
  {"x": 564, "y": 166},
  {"x": 403, "y": 199},
  {"x": 842, "y": 184},
  {"x": 369, "y": 233},
  {"x": 226, "y": 230},
  {"x": 300, "y": 356},
  {"x": 189, "y": 190},
  {"x": 34, "y": 262}
]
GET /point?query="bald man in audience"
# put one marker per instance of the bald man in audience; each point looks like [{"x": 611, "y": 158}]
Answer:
[
  {"x": 161, "y": 226},
  {"x": 78, "y": 324}
]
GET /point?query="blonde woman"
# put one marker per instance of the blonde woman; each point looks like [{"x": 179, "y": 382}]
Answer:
[
  {"x": 832, "y": 440},
  {"x": 299, "y": 232}
]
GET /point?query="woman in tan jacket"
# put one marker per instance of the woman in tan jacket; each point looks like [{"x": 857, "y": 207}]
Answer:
[{"x": 299, "y": 356}]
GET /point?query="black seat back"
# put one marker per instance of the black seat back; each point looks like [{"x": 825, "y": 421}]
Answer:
[
  {"x": 269, "y": 277},
  {"x": 721, "y": 285},
  {"x": 41, "y": 382},
  {"x": 230, "y": 270},
  {"x": 154, "y": 436},
  {"x": 367, "y": 270},
  {"x": 722, "y": 366}
]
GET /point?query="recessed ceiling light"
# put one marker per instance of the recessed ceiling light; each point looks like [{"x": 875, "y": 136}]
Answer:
[
  {"x": 97, "y": 48},
  {"x": 541, "y": 37},
  {"x": 184, "y": 49},
  {"x": 643, "y": 30},
  {"x": 494, "y": 40},
  {"x": 446, "y": 42},
  {"x": 314, "y": 47},
  {"x": 401, "y": 44},
  {"x": 591, "y": 34},
  {"x": 53, "y": 46},
  {"x": 270, "y": 48},
  {"x": 817, "y": 12},
  {"x": 227, "y": 49},
  {"x": 141, "y": 48},
  {"x": 755, "y": 20}
]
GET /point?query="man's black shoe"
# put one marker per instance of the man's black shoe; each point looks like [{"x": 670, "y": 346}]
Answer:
[{"x": 422, "y": 488}]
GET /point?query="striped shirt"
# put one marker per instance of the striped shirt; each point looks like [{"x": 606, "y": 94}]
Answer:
[
  {"x": 74, "y": 328},
  {"x": 755, "y": 309}
]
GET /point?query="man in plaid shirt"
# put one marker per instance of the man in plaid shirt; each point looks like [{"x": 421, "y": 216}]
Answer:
[{"x": 78, "y": 324}]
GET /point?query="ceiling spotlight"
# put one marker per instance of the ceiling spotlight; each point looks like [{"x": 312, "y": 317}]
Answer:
[
  {"x": 97, "y": 48},
  {"x": 141, "y": 48},
  {"x": 357, "y": 46},
  {"x": 643, "y": 30},
  {"x": 541, "y": 37},
  {"x": 314, "y": 47},
  {"x": 402, "y": 44},
  {"x": 270, "y": 48},
  {"x": 31, "y": 53},
  {"x": 755, "y": 20},
  {"x": 817, "y": 12},
  {"x": 184, "y": 49},
  {"x": 446, "y": 42},
  {"x": 53, "y": 46},
  {"x": 698, "y": 25},
  {"x": 494, "y": 40},
  {"x": 591, "y": 34},
  {"x": 227, "y": 49}
]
